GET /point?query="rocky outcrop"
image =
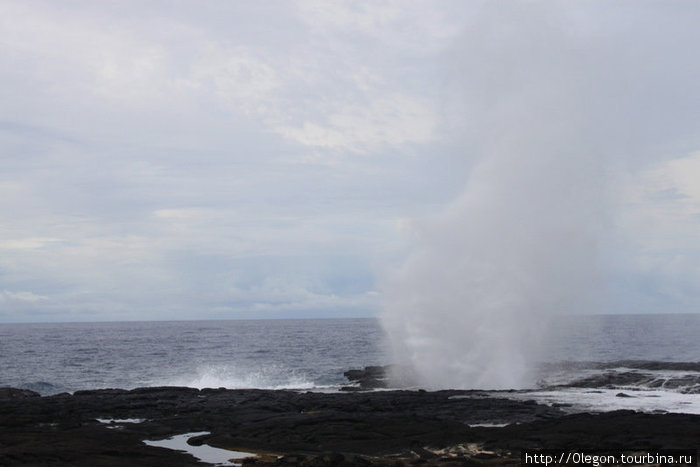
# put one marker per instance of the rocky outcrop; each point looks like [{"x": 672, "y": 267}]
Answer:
[
  {"x": 14, "y": 393},
  {"x": 371, "y": 377},
  {"x": 107, "y": 427},
  {"x": 380, "y": 377}
]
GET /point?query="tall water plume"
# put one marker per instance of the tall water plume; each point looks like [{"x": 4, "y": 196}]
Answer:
[{"x": 541, "y": 102}]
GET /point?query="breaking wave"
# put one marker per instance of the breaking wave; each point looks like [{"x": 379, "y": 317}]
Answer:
[
  {"x": 231, "y": 377},
  {"x": 634, "y": 375}
]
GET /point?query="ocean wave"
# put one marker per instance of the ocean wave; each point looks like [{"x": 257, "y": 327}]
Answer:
[
  {"x": 575, "y": 400},
  {"x": 632, "y": 364},
  {"x": 44, "y": 388},
  {"x": 636, "y": 375},
  {"x": 231, "y": 377}
]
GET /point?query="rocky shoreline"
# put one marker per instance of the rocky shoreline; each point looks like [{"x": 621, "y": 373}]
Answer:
[{"x": 305, "y": 428}]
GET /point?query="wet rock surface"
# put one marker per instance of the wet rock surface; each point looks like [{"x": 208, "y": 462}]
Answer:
[
  {"x": 293, "y": 428},
  {"x": 380, "y": 377},
  {"x": 688, "y": 384},
  {"x": 370, "y": 377}
]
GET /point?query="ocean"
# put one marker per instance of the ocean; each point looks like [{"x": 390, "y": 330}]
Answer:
[{"x": 591, "y": 363}]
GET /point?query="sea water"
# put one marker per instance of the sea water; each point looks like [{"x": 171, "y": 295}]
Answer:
[
  {"x": 634, "y": 352},
  {"x": 276, "y": 354}
]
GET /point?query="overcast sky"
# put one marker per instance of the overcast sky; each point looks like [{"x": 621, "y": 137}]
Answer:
[{"x": 244, "y": 159}]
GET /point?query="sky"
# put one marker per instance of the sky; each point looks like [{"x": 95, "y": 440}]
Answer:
[{"x": 179, "y": 159}]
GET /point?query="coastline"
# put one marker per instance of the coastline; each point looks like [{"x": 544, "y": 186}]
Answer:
[{"x": 392, "y": 427}]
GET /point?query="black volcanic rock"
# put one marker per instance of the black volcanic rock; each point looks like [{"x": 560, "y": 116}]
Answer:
[
  {"x": 371, "y": 377},
  {"x": 13, "y": 393},
  {"x": 377, "y": 428},
  {"x": 380, "y": 377}
]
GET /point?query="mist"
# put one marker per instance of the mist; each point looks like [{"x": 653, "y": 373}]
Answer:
[{"x": 548, "y": 106}]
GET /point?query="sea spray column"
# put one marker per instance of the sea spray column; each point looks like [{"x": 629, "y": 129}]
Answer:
[{"x": 469, "y": 308}]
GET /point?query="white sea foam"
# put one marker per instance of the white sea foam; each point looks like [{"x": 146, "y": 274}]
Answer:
[
  {"x": 629, "y": 378},
  {"x": 121, "y": 420},
  {"x": 603, "y": 400},
  {"x": 619, "y": 387},
  {"x": 231, "y": 377}
]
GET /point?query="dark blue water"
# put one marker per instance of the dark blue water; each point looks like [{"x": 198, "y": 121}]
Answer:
[
  {"x": 668, "y": 337},
  {"x": 313, "y": 354},
  {"x": 267, "y": 353}
]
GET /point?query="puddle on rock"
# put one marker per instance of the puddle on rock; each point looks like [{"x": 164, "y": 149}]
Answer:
[{"x": 204, "y": 452}]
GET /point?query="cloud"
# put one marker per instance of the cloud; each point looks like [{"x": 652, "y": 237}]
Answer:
[
  {"x": 366, "y": 16},
  {"x": 237, "y": 76},
  {"x": 662, "y": 205},
  {"x": 680, "y": 176},
  {"x": 62, "y": 56},
  {"x": 167, "y": 162},
  {"x": 172, "y": 161},
  {"x": 404, "y": 26},
  {"x": 21, "y": 297},
  {"x": 31, "y": 243},
  {"x": 654, "y": 262},
  {"x": 385, "y": 122}
]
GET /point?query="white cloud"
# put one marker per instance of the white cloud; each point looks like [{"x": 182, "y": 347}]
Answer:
[
  {"x": 22, "y": 297},
  {"x": 654, "y": 256},
  {"x": 366, "y": 16},
  {"x": 386, "y": 121},
  {"x": 161, "y": 161},
  {"x": 181, "y": 213},
  {"x": 67, "y": 55},
  {"x": 238, "y": 75},
  {"x": 30, "y": 243},
  {"x": 413, "y": 27},
  {"x": 662, "y": 205},
  {"x": 277, "y": 293},
  {"x": 157, "y": 155},
  {"x": 131, "y": 73},
  {"x": 683, "y": 176}
]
